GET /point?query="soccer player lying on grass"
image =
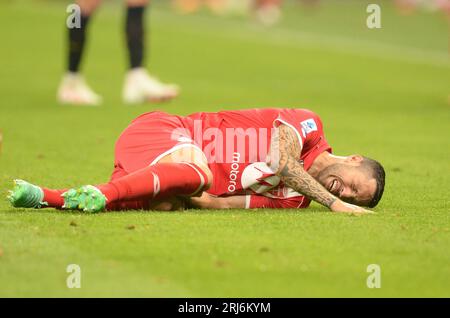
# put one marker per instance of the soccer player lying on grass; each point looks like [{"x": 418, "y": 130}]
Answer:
[{"x": 255, "y": 158}]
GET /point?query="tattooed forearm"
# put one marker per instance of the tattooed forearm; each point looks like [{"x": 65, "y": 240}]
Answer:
[
  {"x": 294, "y": 176},
  {"x": 292, "y": 173}
]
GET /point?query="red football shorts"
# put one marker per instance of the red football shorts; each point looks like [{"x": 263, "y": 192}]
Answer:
[{"x": 147, "y": 139}]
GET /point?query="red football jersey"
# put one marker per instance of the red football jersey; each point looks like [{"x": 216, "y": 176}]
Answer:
[{"x": 236, "y": 145}]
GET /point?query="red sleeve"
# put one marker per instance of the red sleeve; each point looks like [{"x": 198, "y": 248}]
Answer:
[
  {"x": 255, "y": 201},
  {"x": 307, "y": 126}
]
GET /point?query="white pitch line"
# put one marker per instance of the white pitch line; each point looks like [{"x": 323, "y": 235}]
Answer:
[
  {"x": 361, "y": 47},
  {"x": 289, "y": 37}
]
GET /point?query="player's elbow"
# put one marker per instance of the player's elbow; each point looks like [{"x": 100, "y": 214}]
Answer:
[{"x": 278, "y": 165}]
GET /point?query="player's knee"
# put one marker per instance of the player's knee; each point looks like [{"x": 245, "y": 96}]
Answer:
[
  {"x": 88, "y": 7},
  {"x": 137, "y": 3},
  {"x": 168, "y": 204}
]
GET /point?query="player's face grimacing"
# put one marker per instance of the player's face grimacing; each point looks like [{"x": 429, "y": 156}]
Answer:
[{"x": 349, "y": 181}]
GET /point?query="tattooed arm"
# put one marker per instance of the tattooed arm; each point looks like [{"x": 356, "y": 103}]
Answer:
[{"x": 284, "y": 154}]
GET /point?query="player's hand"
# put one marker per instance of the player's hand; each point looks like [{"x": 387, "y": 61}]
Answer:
[{"x": 341, "y": 206}]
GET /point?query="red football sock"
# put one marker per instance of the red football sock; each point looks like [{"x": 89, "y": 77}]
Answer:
[
  {"x": 53, "y": 197},
  {"x": 161, "y": 180}
]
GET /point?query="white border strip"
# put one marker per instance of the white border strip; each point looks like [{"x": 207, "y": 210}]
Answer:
[{"x": 247, "y": 201}]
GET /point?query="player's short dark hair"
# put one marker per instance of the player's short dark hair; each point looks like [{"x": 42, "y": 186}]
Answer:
[{"x": 378, "y": 173}]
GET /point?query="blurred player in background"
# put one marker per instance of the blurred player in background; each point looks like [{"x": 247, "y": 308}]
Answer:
[
  {"x": 139, "y": 85},
  {"x": 216, "y": 6},
  {"x": 410, "y": 6},
  {"x": 268, "y": 12}
]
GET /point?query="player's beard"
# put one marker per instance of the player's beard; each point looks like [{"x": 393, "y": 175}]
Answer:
[{"x": 332, "y": 171}]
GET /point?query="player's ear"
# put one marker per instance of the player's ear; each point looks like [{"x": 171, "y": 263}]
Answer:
[{"x": 354, "y": 159}]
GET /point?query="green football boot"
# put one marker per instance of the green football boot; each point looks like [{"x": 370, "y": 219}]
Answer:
[
  {"x": 26, "y": 195},
  {"x": 87, "y": 199}
]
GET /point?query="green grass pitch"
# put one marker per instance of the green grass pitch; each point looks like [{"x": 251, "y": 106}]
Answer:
[{"x": 383, "y": 93}]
